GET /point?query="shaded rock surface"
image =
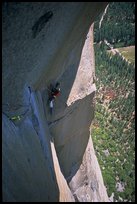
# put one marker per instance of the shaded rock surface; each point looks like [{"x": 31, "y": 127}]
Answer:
[{"x": 49, "y": 158}]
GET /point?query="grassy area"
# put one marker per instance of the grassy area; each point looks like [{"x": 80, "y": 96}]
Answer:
[
  {"x": 113, "y": 130},
  {"x": 128, "y": 53}
]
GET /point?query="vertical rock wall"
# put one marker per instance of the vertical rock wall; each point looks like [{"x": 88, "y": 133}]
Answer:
[{"x": 46, "y": 158}]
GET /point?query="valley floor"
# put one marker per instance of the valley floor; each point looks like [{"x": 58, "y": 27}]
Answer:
[{"x": 113, "y": 130}]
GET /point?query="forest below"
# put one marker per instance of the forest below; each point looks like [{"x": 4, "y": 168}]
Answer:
[
  {"x": 118, "y": 25},
  {"x": 113, "y": 129}
]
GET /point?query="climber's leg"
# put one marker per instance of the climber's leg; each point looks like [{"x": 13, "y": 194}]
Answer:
[{"x": 51, "y": 106}]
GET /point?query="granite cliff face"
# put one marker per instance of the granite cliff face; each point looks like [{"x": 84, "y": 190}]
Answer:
[{"x": 49, "y": 158}]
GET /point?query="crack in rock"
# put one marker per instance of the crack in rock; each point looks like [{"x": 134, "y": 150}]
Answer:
[{"x": 39, "y": 25}]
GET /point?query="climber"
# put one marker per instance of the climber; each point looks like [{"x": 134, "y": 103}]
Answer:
[{"x": 54, "y": 92}]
